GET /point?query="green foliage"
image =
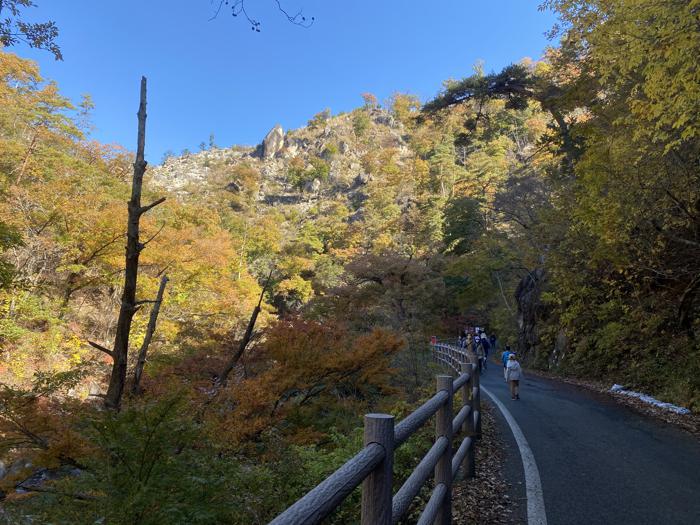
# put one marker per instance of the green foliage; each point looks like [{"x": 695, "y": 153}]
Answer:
[
  {"x": 9, "y": 238},
  {"x": 360, "y": 123},
  {"x": 644, "y": 52},
  {"x": 514, "y": 84},
  {"x": 329, "y": 151},
  {"x": 321, "y": 169},
  {"x": 299, "y": 174},
  {"x": 597, "y": 193},
  {"x": 152, "y": 464},
  {"x": 462, "y": 225},
  {"x": 405, "y": 109},
  {"x": 319, "y": 119},
  {"x": 14, "y": 29}
]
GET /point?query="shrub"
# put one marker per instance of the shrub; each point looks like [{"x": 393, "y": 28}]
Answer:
[
  {"x": 299, "y": 175},
  {"x": 360, "y": 123},
  {"x": 320, "y": 119}
]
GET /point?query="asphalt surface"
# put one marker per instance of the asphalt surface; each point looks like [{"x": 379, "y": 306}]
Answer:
[{"x": 599, "y": 462}]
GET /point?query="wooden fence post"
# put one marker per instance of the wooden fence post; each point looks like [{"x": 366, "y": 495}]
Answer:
[
  {"x": 443, "y": 469},
  {"x": 476, "y": 401},
  {"x": 468, "y": 426},
  {"x": 377, "y": 487}
]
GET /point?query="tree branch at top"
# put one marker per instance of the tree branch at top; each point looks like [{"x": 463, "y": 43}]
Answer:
[{"x": 238, "y": 7}]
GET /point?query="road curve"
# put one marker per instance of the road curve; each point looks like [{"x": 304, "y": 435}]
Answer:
[{"x": 599, "y": 462}]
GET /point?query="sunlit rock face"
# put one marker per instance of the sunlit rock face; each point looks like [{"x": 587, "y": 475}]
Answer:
[{"x": 273, "y": 142}]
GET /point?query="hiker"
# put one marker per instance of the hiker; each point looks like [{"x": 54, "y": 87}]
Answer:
[
  {"x": 485, "y": 343},
  {"x": 463, "y": 339},
  {"x": 486, "y": 347},
  {"x": 481, "y": 356},
  {"x": 492, "y": 341},
  {"x": 513, "y": 375},
  {"x": 470, "y": 347},
  {"x": 504, "y": 359}
]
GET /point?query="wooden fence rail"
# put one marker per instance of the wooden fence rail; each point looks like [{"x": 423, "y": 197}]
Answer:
[{"x": 373, "y": 465}]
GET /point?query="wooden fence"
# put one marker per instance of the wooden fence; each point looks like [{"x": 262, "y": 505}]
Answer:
[{"x": 373, "y": 465}]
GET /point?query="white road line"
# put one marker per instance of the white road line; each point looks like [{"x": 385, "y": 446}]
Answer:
[{"x": 533, "y": 488}]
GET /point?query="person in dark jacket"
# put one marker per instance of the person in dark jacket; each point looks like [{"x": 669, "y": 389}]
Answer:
[{"x": 486, "y": 346}]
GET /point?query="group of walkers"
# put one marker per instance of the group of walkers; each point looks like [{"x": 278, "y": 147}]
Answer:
[{"x": 481, "y": 345}]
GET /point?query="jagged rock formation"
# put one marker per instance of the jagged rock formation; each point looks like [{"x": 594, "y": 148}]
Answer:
[
  {"x": 273, "y": 142},
  {"x": 335, "y": 142}
]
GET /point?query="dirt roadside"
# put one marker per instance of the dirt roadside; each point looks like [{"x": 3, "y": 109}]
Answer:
[{"x": 486, "y": 499}]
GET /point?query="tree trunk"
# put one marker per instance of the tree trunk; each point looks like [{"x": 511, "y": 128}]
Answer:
[
  {"x": 223, "y": 376},
  {"x": 153, "y": 319},
  {"x": 133, "y": 249}
]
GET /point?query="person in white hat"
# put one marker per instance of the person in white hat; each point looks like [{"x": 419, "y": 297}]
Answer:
[{"x": 513, "y": 375}]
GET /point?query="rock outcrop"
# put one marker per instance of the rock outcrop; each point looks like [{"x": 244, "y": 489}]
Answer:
[
  {"x": 273, "y": 142},
  {"x": 297, "y": 168}
]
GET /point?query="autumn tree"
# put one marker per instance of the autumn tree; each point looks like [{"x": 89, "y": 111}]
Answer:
[{"x": 301, "y": 362}]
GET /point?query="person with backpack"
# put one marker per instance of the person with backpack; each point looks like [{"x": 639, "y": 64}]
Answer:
[
  {"x": 513, "y": 375},
  {"x": 504, "y": 359}
]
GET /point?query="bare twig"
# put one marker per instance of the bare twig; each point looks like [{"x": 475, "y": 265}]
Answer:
[
  {"x": 144, "y": 209},
  {"x": 154, "y": 235},
  {"x": 238, "y": 7}
]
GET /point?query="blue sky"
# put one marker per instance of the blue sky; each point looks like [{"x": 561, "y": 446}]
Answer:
[{"x": 220, "y": 77}]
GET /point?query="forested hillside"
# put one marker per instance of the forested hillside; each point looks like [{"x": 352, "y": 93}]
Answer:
[{"x": 556, "y": 202}]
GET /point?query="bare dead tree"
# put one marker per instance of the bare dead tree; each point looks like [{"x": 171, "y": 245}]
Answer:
[
  {"x": 150, "y": 330},
  {"x": 129, "y": 306},
  {"x": 238, "y": 8},
  {"x": 223, "y": 376}
]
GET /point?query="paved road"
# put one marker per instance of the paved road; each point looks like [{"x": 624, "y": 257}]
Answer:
[{"x": 599, "y": 462}]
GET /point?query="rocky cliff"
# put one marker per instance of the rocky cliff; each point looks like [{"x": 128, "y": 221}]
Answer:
[{"x": 326, "y": 158}]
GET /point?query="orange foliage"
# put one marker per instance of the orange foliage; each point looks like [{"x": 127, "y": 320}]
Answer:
[{"x": 301, "y": 361}]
